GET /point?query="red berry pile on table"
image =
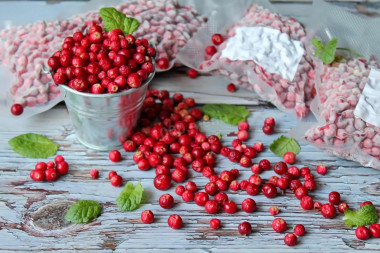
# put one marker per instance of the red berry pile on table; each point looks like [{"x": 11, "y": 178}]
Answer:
[
  {"x": 102, "y": 62},
  {"x": 50, "y": 171}
]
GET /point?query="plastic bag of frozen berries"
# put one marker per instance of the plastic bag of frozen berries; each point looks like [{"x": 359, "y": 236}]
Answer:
[
  {"x": 25, "y": 48},
  {"x": 256, "y": 48},
  {"x": 347, "y": 104}
]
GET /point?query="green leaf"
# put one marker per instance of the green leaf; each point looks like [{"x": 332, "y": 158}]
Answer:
[
  {"x": 284, "y": 144},
  {"x": 130, "y": 197},
  {"x": 231, "y": 114},
  {"x": 33, "y": 146},
  {"x": 367, "y": 215},
  {"x": 318, "y": 46},
  {"x": 113, "y": 19},
  {"x": 328, "y": 53},
  {"x": 83, "y": 211}
]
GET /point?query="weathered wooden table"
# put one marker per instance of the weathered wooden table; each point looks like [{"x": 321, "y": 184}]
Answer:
[{"x": 31, "y": 213}]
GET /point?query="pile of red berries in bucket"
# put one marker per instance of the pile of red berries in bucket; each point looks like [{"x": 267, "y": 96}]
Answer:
[
  {"x": 50, "y": 171},
  {"x": 102, "y": 62}
]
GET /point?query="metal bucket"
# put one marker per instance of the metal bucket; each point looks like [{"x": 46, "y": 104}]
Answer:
[{"x": 104, "y": 121}]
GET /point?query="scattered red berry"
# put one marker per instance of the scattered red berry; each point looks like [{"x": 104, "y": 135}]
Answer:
[
  {"x": 231, "y": 87},
  {"x": 299, "y": 230},
  {"x": 200, "y": 198},
  {"x": 245, "y": 228},
  {"x": 51, "y": 174},
  {"x": 114, "y": 156},
  {"x": 217, "y": 39},
  {"x": 215, "y": 223},
  {"x": 290, "y": 239},
  {"x": 62, "y": 168},
  {"x": 279, "y": 225},
  {"x": 328, "y": 211},
  {"x": 147, "y": 216},
  {"x": 374, "y": 230},
  {"x": 229, "y": 206},
  {"x": 212, "y": 206},
  {"x": 365, "y": 203},
  {"x": 321, "y": 169},
  {"x": 116, "y": 180},
  {"x": 166, "y": 201},
  {"x": 37, "y": 175},
  {"x": 17, "y": 109},
  {"x": 334, "y": 198},
  {"x": 192, "y": 73},
  {"x": 342, "y": 207},
  {"x": 248, "y": 205},
  {"x": 274, "y": 210},
  {"x": 289, "y": 157},
  {"x": 269, "y": 190},
  {"x": 175, "y": 221},
  {"x": 162, "y": 182},
  {"x": 268, "y": 129},
  {"x": 307, "y": 202},
  {"x": 188, "y": 196},
  {"x": 94, "y": 173},
  {"x": 362, "y": 233},
  {"x": 111, "y": 174},
  {"x": 179, "y": 190}
]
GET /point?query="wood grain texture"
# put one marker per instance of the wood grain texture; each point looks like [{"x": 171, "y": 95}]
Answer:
[{"x": 118, "y": 231}]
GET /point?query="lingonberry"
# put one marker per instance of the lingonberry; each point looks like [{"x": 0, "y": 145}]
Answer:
[
  {"x": 243, "y": 184},
  {"x": 221, "y": 184},
  {"x": 273, "y": 210},
  {"x": 248, "y": 205},
  {"x": 179, "y": 175},
  {"x": 37, "y": 175},
  {"x": 217, "y": 39},
  {"x": 191, "y": 186},
  {"x": 221, "y": 197},
  {"x": 249, "y": 152},
  {"x": 362, "y": 233},
  {"x": 50, "y": 174},
  {"x": 307, "y": 202},
  {"x": 309, "y": 177},
  {"x": 321, "y": 169},
  {"x": 162, "y": 182},
  {"x": 111, "y": 174},
  {"x": 252, "y": 189},
  {"x": 17, "y": 109},
  {"x": 299, "y": 230},
  {"x": 255, "y": 179},
  {"x": 269, "y": 190},
  {"x": 116, "y": 180},
  {"x": 334, "y": 198},
  {"x": 192, "y": 73},
  {"x": 200, "y": 198},
  {"x": 305, "y": 171},
  {"x": 328, "y": 211},
  {"x": 294, "y": 171},
  {"x": 229, "y": 206},
  {"x": 310, "y": 185},
  {"x": 265, "y": 164},
  {"x": 143, "y": 164},
  {"x": 213, "y": 178},
  {"x": 279, "y": 225},
  {"x": 374, "y": 230},
  {"x": 212, "y": 206},
  {"x": 273, "y": 180},
  {"x": 41, "y": 166},
  {"x": 154, "y": 160},
  {"x": 226, "y": 176},
  {"x": 94, "y": 173},
  {"x": 365, "y": 203},
  {"x": 208, "y": 171},
  {"x": 282, "y": 183},
  {"x": 59, "y": 159},
  {"x": 317, "y": 206},
  {"x": 269, "y": 121},
  {"x": 162, "y": 63},
  {"x": 188, "y": 196},
  {"x": 179, "y": 190},
  {"x": 290, "y": 239},
  {"x": 300, "y": 192},
  {"x": 114, "y": 156},
  {"x": 215, "y": 223},
  {"x": 234, "y": 185},
  {"x": 162, "y": 170},
  {"x": 210, "y": 50},
  {"x": 175, "y": 221},
  {"x": 243, "y": 135},
  {"x": 289, "y": 157},
  {"x": 245, "y": 161},
  {"x": 256, "y": 169},
  {"x": 231, "y": 87},
  {"x": 147, "y": 216},
  {"x": 235, "y": 173},
  {"x": 166, "y": 201},
  {"x": 258, "y": 146},
  {"x": 342, "y": 207},
  {"x": 280, "y": 168},
  {"x": 294, "y": 184},
  {"x": 62, "y": 168},
  {"x": 268, "y": 129},
  {"x": 245, "y": 228}
]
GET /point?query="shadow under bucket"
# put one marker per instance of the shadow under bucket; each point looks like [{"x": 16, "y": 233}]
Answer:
[{"x": 104, "y": 121}]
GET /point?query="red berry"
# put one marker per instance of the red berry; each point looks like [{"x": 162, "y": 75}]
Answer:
[
  {"x": 334, "y": 198},
  {"x": 245, "y": 228},
  {"x": 289, "y": 157},
  {"x": 321, "y": 169},
  {"x": 162, "y": 182},
  {"x": 59, "y": 159},
  {"x": 192, "y": 73},
  {"x": 234, "y": 185},
  {"x": 256, "y": 169},
  {"x": 62, "y": 168},
  {"x": 200, "y": 198},
  {"x": 210, "y": 50},
  {"x": 212, "y": 206},
  {"x": 229, "y": 206},
  {"x": 211, "y": 188},
  {"x": 273, "y": 210},
  {"x": 374, "y": 230},
  {"x": 305, "y": 171},
  {"x": 248, "y": 205},
  {"x": 17, "y": 109},
  {"x": 179, "y": 190},
  {"x": 279, "y": 225},
  {"x": 268, "y": 129},
  {"x": 162, "y": 63},
  {"x": 294, "y": 184},
  {"x": 147, "y": 216},
  {"x": 175, "y": 221},
  {"x": 317, "y": 206},
  {"x": 365, "y": 203},
  {"x": 282, "y": 183},
  {"x": 50, "y": 164},
  {"x": 290, "y": 239},
  {"x": 258, "y": 146},
  {"x": 134, "y": 80},
  {"x": 114, "y": 156},
  {"x": 179, "y": 175},
  {"x": 255, "y": 179},
  {"x": 166, "y": 201},
  {"x": 217, "y": 39},
  {"x": 231, "y": 87},
  {"x": 243, "y": 184},
  {"x": 94, "y": 173},
  {"x": 116, "y": 180},
  {"x": 37, "y": 175},
  {"x": 252, "y": 189},
  {"x": 221, "y": 197},
  {"x": 342, "y": 207},
  {"x": 264, "y": 164},
  {"x": 111, "y": 174},
  {"x": 294, "y": 171},
  {"x": 328, "y": 211},
  {"x": 307, "y": 202},
  {"x": 41, "y": 166},
  {"x": 299, "y": 230},
  {"x": 188, "y": 196},
  {"x": 300, "y": 192},
  {"x": 362, "y": 233},
  {"x": 280, "y": 168},
  {"x": 50, "y": 174},
  {"x": 269, "y": 190},
  {"x": 269, "y": 121},
  {"x": 215, "y": 223}
]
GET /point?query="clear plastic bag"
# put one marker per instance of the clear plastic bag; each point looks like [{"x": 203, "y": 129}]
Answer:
[
  {"x": 25, "y": 49},
  {"x": 292, "y": 96},
  {"x": 340, "y": 85}
]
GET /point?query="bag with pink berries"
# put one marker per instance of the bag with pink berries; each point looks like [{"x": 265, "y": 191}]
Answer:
[
  {"x": 257, "y": 48},
  {"x": 347, "y": 105},
  {"x": 25, "y": 48}
]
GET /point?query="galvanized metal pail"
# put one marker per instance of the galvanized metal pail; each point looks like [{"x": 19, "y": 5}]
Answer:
[{"x": 104, "y": 121}]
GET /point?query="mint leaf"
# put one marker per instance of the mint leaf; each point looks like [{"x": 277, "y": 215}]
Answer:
[
  {"x": 231, "y": 114},
  {"x": 367, "y": 215},
  {"x": 83, "y": 211},
  {"x": 328, "y": 52},
  {"x": 33, "y": 146},
  {"x": 130, "y": 197},
  {"x": 113, "y": 19},
  {"x": 318, "y": 46},
  {"x": 284, "y": 144}
]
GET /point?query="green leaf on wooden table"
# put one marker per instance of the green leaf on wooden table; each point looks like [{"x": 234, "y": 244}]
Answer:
[
  {"x": 284, "y": 144},
  {"x": 83, "y": 211},
  {"x": 33, "y": 146},
  {"x": 367, "y": 215},
  {"x": 130, "y": 197},
  {"x": 231, "y": 114},
  {"x": 113, "y": 19}
]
